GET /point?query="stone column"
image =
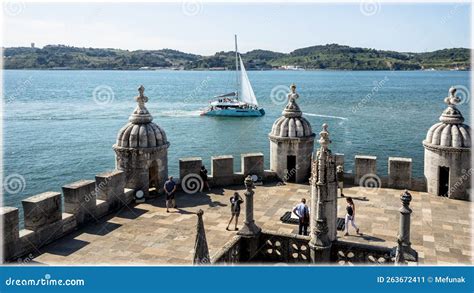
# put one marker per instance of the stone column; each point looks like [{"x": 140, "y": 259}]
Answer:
[
  {"x": 250, "y": 229},
  {"x": 323, "y": 199},
  {"x": 404, "y": 252}
]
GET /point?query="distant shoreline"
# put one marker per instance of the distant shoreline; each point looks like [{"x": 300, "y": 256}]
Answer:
[
  {"x": 315, "y": 58},
  {"x": 213, "y": 70}
]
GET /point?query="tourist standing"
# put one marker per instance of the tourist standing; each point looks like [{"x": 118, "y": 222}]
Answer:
[
  {"x": 340, "y": 179},
  {"x": 301, "y": 210},
  {"x": 350, "y": 216},
  {"x": 203, "y": 174},
  {"x": 170, "y": 189},
  {"x": 235, "y": 202}
]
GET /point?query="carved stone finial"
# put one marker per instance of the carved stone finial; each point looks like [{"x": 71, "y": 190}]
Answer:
[
  {"x": 140, "y": 114},
  {"x": 200, "y": 213},
  {"x": 324, "y": 140},
  {"x": 248, "y": 182},
  {"x": 452, "y": 99},
  {"x": 406, "y": 198}
]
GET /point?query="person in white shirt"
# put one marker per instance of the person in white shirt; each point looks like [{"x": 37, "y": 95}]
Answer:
[{"x": 301, "y": 210}]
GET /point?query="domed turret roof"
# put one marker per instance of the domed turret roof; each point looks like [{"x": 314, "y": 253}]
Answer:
[
  {"x": 141, "y": 132},
  {"x": 291, "y": 124},
  {"x": 450, "y": 131}
]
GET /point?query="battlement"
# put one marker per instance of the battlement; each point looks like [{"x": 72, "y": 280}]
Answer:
[
  {"x": 51, "y": 215},
  {"x": 45, "y": 221},
  {"x": 222, "y": 169}
]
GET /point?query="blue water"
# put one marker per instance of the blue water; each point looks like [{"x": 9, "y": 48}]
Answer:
[{"x": 56, "y": 133}]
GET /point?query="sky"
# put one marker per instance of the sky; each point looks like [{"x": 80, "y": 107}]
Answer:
[{"x": 205, "y": 28}]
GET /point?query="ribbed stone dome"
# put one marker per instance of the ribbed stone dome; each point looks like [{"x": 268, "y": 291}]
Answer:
[
  {"x": 141, "y": 132},
  {"x": 450, "y": 131},
  {"x": 292, "y": 124}
]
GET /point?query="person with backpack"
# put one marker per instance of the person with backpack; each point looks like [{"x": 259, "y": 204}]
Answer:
[
  {"x": 302, "y": 211},
  {"x": 235, "y": 202}
]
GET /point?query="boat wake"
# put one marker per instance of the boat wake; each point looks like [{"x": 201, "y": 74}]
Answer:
[
  {"x": 180, "y": 113},
  {"x": 325, "y": 116}
]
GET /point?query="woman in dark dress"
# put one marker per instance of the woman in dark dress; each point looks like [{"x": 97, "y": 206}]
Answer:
[
  {"x": 203, "y": 174},
  {"x": 235, "y": 202}
]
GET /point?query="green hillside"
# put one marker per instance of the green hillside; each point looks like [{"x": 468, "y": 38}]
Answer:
[{"x": 331, "y": 56}]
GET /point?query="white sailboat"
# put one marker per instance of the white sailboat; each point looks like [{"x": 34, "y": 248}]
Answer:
[{"x": 242, "y": 102}]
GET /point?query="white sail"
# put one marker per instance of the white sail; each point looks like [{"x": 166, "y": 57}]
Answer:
[{"x": 246, "y": 92}]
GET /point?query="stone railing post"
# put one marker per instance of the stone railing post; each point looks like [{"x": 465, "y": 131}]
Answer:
[
  {"x": 404, "y": 252},
  {"x": 250, "y": 229}
]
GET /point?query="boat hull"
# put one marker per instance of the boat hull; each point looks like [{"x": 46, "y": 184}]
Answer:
[{"x": 235, "y": 113}]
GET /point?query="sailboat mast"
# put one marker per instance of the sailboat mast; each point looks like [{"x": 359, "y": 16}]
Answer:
[{"x": 236, "y": 67}]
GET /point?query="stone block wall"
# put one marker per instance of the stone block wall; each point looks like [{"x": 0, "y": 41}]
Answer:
[
  {"x": 41, "y": 210},
  {"x": 222, "y": 169},
  {"x": 363, "y": 166},
  {"x": 252, "y": 164},
  {"x": 80, "y": 200},
  {"x": 189, "y": 166},
  {"x": 399, "y": 172},
  {"x": 84, "y": 201}
]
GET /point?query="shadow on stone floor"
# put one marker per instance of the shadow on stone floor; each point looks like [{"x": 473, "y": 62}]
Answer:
[
  {"x": 66, "y": 247},
  {"x": 101, "y": 228},
  {"x": 184, "y": 200},
  {"x": 129, "y": 212}
]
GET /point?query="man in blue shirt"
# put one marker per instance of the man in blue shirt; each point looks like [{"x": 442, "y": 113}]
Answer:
[
  {"x": 170, "y": 188},
  {"x": 302, "y": 211}
]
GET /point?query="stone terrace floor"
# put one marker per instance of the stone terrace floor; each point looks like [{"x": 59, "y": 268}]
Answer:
[{"x": 146, "y": 234}]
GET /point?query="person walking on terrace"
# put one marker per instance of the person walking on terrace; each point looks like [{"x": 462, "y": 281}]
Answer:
[
  {"x": 340, "y": 179},
  {"x": 235, "y": 202},
  {"x": 350, "y": 216},
  {"x": 170, "y": 189},
  {"x": 302, "y": 211}
]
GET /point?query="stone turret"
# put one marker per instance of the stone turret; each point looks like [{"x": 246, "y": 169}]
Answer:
[
  {"x": 323, "y": 200},
  {"x": 291, "y": 143},
  {"x": 448, "y": 153},
  {"x": 141, "y": 150}
]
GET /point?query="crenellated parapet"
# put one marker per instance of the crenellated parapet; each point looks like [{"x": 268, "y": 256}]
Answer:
[
  {"x": 45, "y": 220},
  {"x": 222, "y": 169}
]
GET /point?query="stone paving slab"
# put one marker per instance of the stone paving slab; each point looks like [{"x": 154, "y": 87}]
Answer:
[{"x": 145, "y": 234}]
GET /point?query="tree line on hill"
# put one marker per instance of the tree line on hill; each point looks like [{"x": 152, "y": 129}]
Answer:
[{"x": 321, "y": 57}]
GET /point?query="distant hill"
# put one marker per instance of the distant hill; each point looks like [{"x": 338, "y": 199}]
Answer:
[{"x": 331, "y": 56}]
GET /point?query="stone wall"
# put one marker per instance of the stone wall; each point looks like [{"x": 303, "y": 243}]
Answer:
[
  {"x": 45, "y": 220},
  {"x": 222, "y": 169}
]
